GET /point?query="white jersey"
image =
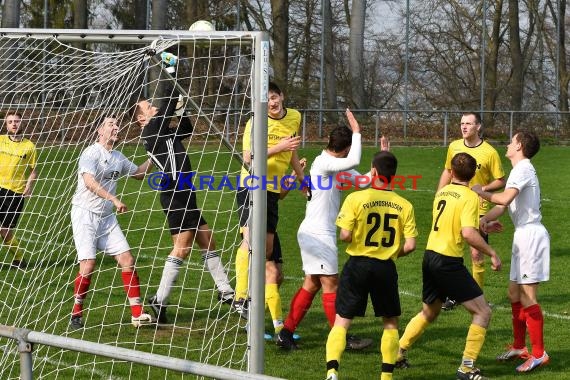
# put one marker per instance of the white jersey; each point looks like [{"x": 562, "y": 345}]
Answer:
[
  {"x": 106, "y": 166},
  {"x": 322, "y": 208},
  {"x": 525, "y": 208}
]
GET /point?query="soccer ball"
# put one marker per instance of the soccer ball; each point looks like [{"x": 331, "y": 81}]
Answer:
[{"x": 202, "y": 26}]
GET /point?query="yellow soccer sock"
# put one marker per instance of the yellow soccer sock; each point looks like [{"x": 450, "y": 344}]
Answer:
[
  {"x": 473, "y": 345},
  {"x": 414, "y": 330},
  {"x": 478, "y": 272},
  {"x": 14, "y": 247},
  {"x": 336, "y": 343},
  {"x": 389, "y": 350},
  {"x": 273, "y": 300},
  {"x": 242, "y": 272}
]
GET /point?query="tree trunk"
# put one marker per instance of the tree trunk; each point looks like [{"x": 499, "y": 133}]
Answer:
[
  {"x": 517, "y": 77},
  {"x": 280, "y": 36},
  {"x": 141, "y": 13},
  {"x": 159, "y": 14},
  {"x": 328, "y": 53},
  {"x": 491, "y": 91},
  {"x": 11, "y": 14},
  {"x": 356, "y": 53}
]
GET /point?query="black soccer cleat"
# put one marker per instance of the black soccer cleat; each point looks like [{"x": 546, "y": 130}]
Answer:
[
  {"x": 285, "y": 340},
  {"x": 158, "y": 310}
]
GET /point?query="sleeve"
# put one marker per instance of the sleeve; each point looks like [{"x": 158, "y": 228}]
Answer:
[
  {"x": 335, "y": 164},
  {"x": 518, "y": 178},
  {"x": 346, "y": 218},
  {"x": 495, "y": 166},
  {"x": 448, "y": 158},
  {"x": 247, "y": 137},
  {"x": 159, "y": 125},
  {"x": 470, "y": 211},
  {"x": 410, "y": 229},
  {"x": 127, "y": 166},
  {"x": 33, "y": 156},
  {"x": 88, "y": 163},
  {"x": 185, "y": 127}
]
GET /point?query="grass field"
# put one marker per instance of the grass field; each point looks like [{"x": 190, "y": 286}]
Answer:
[{"x": 435, "y": 356}]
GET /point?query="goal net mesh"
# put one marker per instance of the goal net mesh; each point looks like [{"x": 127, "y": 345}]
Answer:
[{"x": 61, "y": 89}]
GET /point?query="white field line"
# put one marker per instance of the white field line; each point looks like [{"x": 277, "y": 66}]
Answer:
[{"x": 300, "y": 279}]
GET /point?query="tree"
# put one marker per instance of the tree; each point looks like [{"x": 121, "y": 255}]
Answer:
[
  {"x": 159, "y": 12},
  {"x": 11, "y": 14},
  {"x": 280, "y": 37},
  {"x": 356, "y": 53},
  {"x": 517, "y": 81},
  {"x": 328, "y": 48}
]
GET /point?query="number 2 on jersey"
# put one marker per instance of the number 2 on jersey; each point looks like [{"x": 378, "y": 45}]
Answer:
[
  {"x": 440, "y": 208},
  {"x": 375, "y": 220}
]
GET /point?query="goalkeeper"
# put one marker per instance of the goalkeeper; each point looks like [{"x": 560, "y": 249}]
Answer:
[{"x": 185, "y": 221}]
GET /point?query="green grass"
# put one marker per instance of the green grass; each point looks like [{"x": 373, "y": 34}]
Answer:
[{"x": 46, "y": 289}]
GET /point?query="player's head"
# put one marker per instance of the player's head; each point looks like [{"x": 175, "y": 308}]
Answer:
[
  {"x": 275, "y": 99},
  {"x": 384, "y": 164},
  {"x": 524, "y": 141},
  {"x": 340, "y": 140},
  {"x": 470, "y": 125},
  {"x": 463, "y": 167},
  {"x": 13, "y": 122},
  {"x": 108, "y": 129},
  {"x": 143, "y": 111}
]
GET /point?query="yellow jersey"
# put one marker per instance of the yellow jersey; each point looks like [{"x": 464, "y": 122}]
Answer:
[
  {"x": 16, "y": 157},
  {"x": 489, "y": 166},
  {"x": 454, "y": 207},
  {"x": 380, "y": 222},
  {"x": 277, "y": 165}
]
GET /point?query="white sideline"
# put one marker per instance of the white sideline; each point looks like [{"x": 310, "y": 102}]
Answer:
[{"x": 299, "y": 279}]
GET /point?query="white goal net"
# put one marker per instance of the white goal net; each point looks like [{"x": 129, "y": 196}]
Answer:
[{"x": 62, "y": 89}]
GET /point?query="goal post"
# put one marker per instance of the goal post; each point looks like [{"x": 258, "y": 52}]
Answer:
[{"x": 62, "y": 93}]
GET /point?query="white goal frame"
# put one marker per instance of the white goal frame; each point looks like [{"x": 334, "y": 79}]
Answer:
[{"x": 260, "y": 80}]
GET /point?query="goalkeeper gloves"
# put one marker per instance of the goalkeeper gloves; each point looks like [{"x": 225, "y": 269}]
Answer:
[
  {"x": 180, "y": 106},
  {"x": 169, "y": 60}
]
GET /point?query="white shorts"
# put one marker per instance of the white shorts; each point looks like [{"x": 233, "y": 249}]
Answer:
[
  {"x": 530, "y": 259},
  {"x": 92, "y": 232},
  {"x": 318, "y": 252}
]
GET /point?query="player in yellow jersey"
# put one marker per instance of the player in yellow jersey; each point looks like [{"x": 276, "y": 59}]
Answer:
[
  {"x": 17, "y": 176},
  {"x": 283, "y": 140},
  {"x": 379, "y": 226},
  {"x": 455, "y": 221},
  {"x": 489, "y": 174}
]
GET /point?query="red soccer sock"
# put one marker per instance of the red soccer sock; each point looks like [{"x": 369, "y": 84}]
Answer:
[
  {"x": 300, "y": 304},
  {"x": 80, "y": 289},
  {"x": 133, "y": 290},
  {"x": 519, "y": 325},
  {"x": 535, "y": 326},
  {"x": 329, "y": 300}
]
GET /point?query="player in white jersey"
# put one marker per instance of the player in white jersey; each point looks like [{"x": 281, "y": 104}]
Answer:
[
  {"x": 530, "y": 259},
  {"x": 317, "y": 232},
  {"x": 95, "y": 226}
]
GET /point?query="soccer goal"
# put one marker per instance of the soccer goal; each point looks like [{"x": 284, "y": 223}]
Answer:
[{"x": 63, "y": 82}]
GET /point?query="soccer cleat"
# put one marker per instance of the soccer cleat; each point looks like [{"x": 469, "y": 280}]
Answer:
[
  {"x": 285, "y": 340},
  {"x": 532, "y": 363},
  {"x": 19, "y": 264},
  {"x": 158, "y": 310},
  {"x": 402, "y": 360},
  {"x": 473, "y": 374},
  {"x": 449, "y": 304},
  {"x": 333, "y": 375},
  {"x": 241, "y": 306},
  {"x": 143, "y": 320},
  {"x": 513, "y": 353},
  {"x": 76, "y": 322},
  {"x": 355, "y": 343},
  {"x": 226, "y": 297}
]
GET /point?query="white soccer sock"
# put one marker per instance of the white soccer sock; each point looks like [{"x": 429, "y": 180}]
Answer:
[
  {"x": 217, "y": 271},
  {"x": 169, "y": 276}
]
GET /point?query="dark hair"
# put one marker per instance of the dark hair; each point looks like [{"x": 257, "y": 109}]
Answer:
[
  {"x": 340, "y": 138},
  {"x": 385, "y": 164},
  {"x": 529, "y": 142},
  {"x": 463, "y": 166},
  {"x": 477, "y": 116},
  {"x": 273, "y": 87},
  {"x": 101, "y": 118}
]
